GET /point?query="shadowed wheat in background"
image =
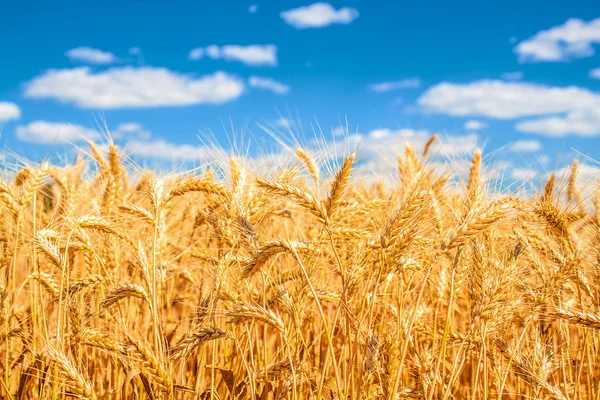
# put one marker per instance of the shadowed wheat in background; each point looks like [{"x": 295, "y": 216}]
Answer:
[{"x": 293, "y": 285}]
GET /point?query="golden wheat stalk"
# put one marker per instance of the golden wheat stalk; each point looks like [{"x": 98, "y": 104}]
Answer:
[
  {"x": 268, "y": 250},
  {"x": 193, "y": 342}
]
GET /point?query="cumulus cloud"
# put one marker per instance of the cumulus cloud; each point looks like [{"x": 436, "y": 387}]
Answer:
[
  {"x": 130, "y": 130},
  {"x": 573, "y": 39},
  {"x": 580, "y": 122},
  {"x": 525, "y": 146},
  {"x": 523, "y": 173},
  {"x": 568, "y": 110},
  {"x": 512, "y": 76},
  {"x": 506, "y": 100},
  {"x": 91, "y": 56},
  {"x": 160, "y": 149},
  {"x": 9, "y": 111},
  {"x": 595, "y": 73},
  {"x": 402, "y": 84},
  {"x": 254, "y": 55},
  {"x": 45, "y": 132},
  {"x": 475, "y": 125},
  {"x": 268, "y": 84},
  {"x": 131, "y": 87},
  {"x": 318, "y": 15}
]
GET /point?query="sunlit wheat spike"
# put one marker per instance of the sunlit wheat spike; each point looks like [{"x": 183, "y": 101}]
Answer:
[
  {"x": 23, "y": 175},
  {"x": 94, "y": 338},
  {"x": 301, "y": 197},
  {"x": 99, "y": 156},
  {"x": 77, "y": 384},
  {"x": 548, "y": 192},
  {"x": 474, "y": 182},
  {"x": 244, "y": 313},
  {"x": 577, "y": 317},
  {"x": 98, "y": 224},
  {"x": 151, "y": 364},
  {"x": 197, "y": 185},
  {"x": 268, "y": 250},
  {"x": 7, "y": 197},
  {"x": 45, "y": 241},
  {"x": 311, "y": 165},
  {"x": 137, "y": 212},
  {"x": 429, "y": 144},
  {"x": 476, "y": 223},
  {"x": 124, "y": 291},
  {"x": 191, "y": 343},
  {"x": 47, "y": 281},
  {"x": 31, "y": 185},
  {"x": 340, "y": 183},
  {"x": 276, "y": 370}
]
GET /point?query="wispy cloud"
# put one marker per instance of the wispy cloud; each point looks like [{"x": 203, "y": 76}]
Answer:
[
  {"x": 595, "y": 73},
  {"x": 525, "y": 146},
  {"x": 580, "y": 122},
  {"x": 395, "y": 85},
  {"x": 91, "y": 56},
  {"x": 269, "y": 84},
  {"x": 388, "y": 141},
  {"x": 44, "y": 132},
  {"x": 318, "y": 15},
  {"x": 475, "y": 125},
  {"x": 255, "y": 55},
  {"x": 9, "y": 111},
  {"x": 130, "y": 130},
  {"x": 573, "y": 39},
  {"x": 252, "y": 8},
  {"x": 161, "y": 149},
  {"x": 129, "y": 87}
]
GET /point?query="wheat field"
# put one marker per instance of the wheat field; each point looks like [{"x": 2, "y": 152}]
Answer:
[{"x": 297, "y": 284}]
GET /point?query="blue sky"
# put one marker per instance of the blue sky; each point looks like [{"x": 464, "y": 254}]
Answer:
[{"x": 522, "y": 80}]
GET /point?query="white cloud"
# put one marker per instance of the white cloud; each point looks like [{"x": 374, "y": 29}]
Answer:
[
  {"x": 196, "y": 54},
  {"x": 318, "y": 15},
  {"x": 388, "y": 141},
  {"x": 9, "y": 111},
  {"x": 580, "y": 122},
  {"x": 161, "y": 149},
  {"x": 523, "y": 173},
  {"x": 402, "y": 84},
  {"x": 253, "y": 8},
  {"x": 338, "y": 131},
  {"x": 130, "y": 87},
  {"x": 595, "y": 73},
  {"x": 574, "y": 39},
  {"x": 54, "y": 132},
  {"x": 512, "y": 76},
  {"x": 474, "y": 125},
  {"x": 506, "y": 100},
  {"x": 269, "y": 84},
  {"x": 525, "y": 146},
  {"x": 254, "y": 55},
  {"x": 130, "y": 130},
  {"x": 91, "y": 56}
]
